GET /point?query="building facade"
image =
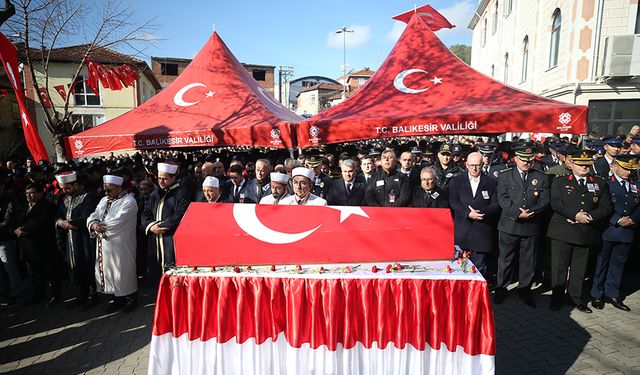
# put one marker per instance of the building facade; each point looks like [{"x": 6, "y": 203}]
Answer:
[
  {"x": 167, "y": 69},
  {"x": 315, "y": 99},
  {"x": 578, "y": 51},
  {"x": 295, "y": 86},
  {"x": 89, "y": 109}
]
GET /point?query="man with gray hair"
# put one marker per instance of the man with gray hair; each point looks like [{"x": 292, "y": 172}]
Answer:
[
  {"x": 345, "y": 191},
  {"x": 263, "y": 180},
  {"x": 429, "y": 194}
]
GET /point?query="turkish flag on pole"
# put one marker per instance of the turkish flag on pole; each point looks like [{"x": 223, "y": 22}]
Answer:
[
  {"x": 9, "y": 57},
  {"x": 61, "y": 91},
  {"x": 213, "y": 234},
  {"x": 44, "y": 97},
  {"x": 430, "y": 16}
]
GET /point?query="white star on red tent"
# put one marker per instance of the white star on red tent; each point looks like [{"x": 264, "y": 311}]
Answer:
[
  {"x": 436, "y": 80},
  {"x": 209, "y": 94}
]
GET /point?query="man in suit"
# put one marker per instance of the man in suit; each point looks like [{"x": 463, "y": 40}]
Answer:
[
  {"x": 407, "y": 166},
  {"x": 523, "y": 195},
  {"x": 345, "y": 191},
  {"x": 581, "y": 204},
  {"x": 262, "y": 182},
  {"x": 428, "y": 194},
  {"x": 618, "y": 235},
  {"x": 474, "y": 202},
  {"x": 612, "y": 147},
  {"x": 37, "y": 242},
  {"x": 388, "y": 187},
  {"x": 367, "y": 167},
  {"x": 239, "y": 189}
]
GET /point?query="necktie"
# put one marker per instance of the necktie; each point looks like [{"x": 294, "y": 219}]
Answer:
[
  {"x": 524, "y": 176},
  {"x": 581, "y": 182},
  {"x": 235, "y": 190},
  {"x": 624, "y": 185}
]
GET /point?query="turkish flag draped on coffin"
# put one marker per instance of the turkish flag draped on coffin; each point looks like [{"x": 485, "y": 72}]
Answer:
[
  {"x": 213, "y": 102},
  {"x": 423, "y": 89},
  {"x": 212, "y": 234}
]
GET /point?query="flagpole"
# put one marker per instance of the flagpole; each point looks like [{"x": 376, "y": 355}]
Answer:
[{"x": 344, "y": 32}]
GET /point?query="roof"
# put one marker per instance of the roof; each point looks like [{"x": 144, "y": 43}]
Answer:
[
  {"x": 482, "y": 5},
  {"x": 75, "y": 54},
  {"x": 187, "y": 61},
  {"x": 213, "y": 102},
  {"x": 322, "y": 86},
  {"x": 423, "y": 89},
  {"x": 315, "y": 78},
  {"x": 366, "y": 72}
]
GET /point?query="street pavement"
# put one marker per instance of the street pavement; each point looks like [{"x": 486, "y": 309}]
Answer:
[{"x": 57, "y": 340}]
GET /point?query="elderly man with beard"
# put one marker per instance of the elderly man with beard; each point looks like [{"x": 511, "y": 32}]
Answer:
[
  {"x": 211, "y": 190},
  {"x": 164, "y": 210},
  {"x": 388, "y": 187},
  {"x": 74, "y": 208},
  {"x": 279, "y": 188},
  {"x": 113, "y": 225},
  {"x": 302, "y": 183}
]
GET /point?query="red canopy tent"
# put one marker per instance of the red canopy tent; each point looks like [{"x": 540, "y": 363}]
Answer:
[
  {"x": 423, "y": 89},
  {"x": 214, "y": 102}
]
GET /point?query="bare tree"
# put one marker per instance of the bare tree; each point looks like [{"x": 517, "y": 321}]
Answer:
[{"x": 43, "y": 25}]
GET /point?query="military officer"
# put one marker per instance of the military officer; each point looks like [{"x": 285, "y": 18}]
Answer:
[
  {"x": 581, "y": 203},
  {"x": 562, "y": 150},
  {"x": 445, "y": 168},
  {"x": 618, "y": 236},
  {"x": 523, "y": 195},
  {"x": 321, "y": 181},
  {"x": 612, "y": 147}
]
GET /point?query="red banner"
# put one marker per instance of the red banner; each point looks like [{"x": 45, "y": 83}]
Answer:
[
  {"x": 46, "y": 103},
  {"x": 114, "y": 78},
  {"x": 61, "y": 91},
  {"x": 9, "y": 57},
  {"x": 236, "y": 234}
]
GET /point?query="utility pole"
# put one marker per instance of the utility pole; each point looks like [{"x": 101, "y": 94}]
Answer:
[
  {"x": 284, "y": 72},
  {"x": 344, "y": 32}
]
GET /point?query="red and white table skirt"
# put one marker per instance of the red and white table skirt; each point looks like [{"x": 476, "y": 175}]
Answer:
[{"x": 426, "y": 319}]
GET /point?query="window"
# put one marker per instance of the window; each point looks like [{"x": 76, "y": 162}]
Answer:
[
  {"x": 361, "y": 81},
  {"x": 612, "y": 117},
  {"x": 506, "y": 68},
  {"x": 83, "y": 95},
  {"x": 637, "y": 31},
  {"x": 313, "y": 98},
  {"x": 508, "y": 7},
  {"x": 84, "y": 122},
  {"x": 525, "y": 58},
  {"x": 484, "y": 33},
  {"x": 555, "y": 39},
  {"x": 259, "y": 74},
  {"x": 169, "y": 69},
  {"x": 495, "y": 19},
  {"x": 493, "y": 70}
]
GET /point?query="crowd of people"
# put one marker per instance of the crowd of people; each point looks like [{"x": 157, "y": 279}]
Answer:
[{"x": 535, "y": 209}]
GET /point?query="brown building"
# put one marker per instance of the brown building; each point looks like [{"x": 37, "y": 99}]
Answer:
[
  {"x": 356, "y": 79},
  {"x": 166, "y": 69}
]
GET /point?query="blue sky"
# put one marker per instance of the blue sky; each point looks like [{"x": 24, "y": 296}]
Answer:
[{"x": 294, "y": 33}]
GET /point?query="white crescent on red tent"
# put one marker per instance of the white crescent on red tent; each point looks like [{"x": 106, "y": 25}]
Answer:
[
  {"x": 213, "y": 102},
  {"x": 423, "y": 89}
]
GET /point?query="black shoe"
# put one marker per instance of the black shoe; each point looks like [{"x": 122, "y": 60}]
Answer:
[
  {"x": 116, "y": 305},
  {"x": 597, "y": 303},
  {"x": 617, "y": 303},
  {"x": 583, "y": 308},
  {"x": 499, "y": 296},
  {"x": 91, "y": 302},
  {"x": 130, "y": 306},
  {"x": 53, "y": 301},
  {"x": 527, "y": 299}
]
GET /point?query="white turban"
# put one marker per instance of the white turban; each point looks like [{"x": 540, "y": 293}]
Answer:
[
  {"x": 112, "y": 180},
  {"x": 66, "y": 177},
  {"x": 281, "y": 178},
  {"x": 306, "y": 172},
  {"x": 211, "y": 181},
  {"x": 167, "y": 168}
]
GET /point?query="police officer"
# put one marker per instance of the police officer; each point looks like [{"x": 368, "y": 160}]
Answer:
[
  {"x": 523, "y": 195},
  {"x": 618, "y": 236},
  {"x": 581, "y": 203},
  {"x": 445, "y": 168},
  {"x": 321, "y": 182},
  {"x": 612, "y": 147},
  {"x": 388, "y": 187}
]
